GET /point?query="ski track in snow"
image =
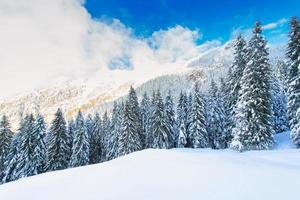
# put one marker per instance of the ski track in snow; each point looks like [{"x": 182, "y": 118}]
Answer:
[{"x": 173, "y": 174}]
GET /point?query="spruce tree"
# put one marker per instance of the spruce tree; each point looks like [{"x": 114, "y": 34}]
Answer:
[
  {"x": 39, "y": 146},
  {"x": 282, "y": 74},
  {"x": 253, "y": 130},
  {"x": 5, "y": 140},
  {"x": 105, "y": 135},
  {"x": 170, "y": 118},
  {"x": 233, "y": 81},
  {"x": 145, "y": 114},
  {"x": 113, "y": 141},
  {"x": 198, "y": 126},
  {"x": 161, "y": 135},
  {"x": 181, "y": 141},
  {"x": 81, "y": 148},
  {"x": 58, "y": 144},
  {"x": 25, "y": 164},
  {"x": 12, "y": 159},
  {"x": 89, "y": 123},
  {"x": 182, "y": 117},
  {"x": 217, "y": 120},
  {"x": 149, "y": 131},
  {"x": 136, "y": 114},
  {"x": 279, "y": 106},
  {"x": 71, "y": 127},
  {"x": 189, "y": 119},
  {"x": 228, "y": 120},
  {"x": 129, "y": 140},
  {"x": 95, "y": 141},
  {"x": 293, "y": 54}
]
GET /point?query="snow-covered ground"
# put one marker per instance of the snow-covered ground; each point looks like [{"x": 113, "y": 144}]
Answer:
[{"x": 173, "y": 174}]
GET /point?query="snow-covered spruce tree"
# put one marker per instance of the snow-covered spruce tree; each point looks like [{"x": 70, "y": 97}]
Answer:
[
  {"x": 95, "y": 141},
  {"x": 161, "y": 135},
  {"x": 181, "y": 141},
  {"x": 279, "y": 106},
  {"x": 12, "y": 159},
  {"x": 282, "y": 73},
  {"x": 233, "y": 81},
  {"x": 170, "y": 118},
  {"x": 81, "y": 144},
  {"x": 113, "y": 140},
  {"x": 71, "y": 132},
  {"x": 224, "y": 98},
  {"x": 136, "y": 114},
  {"x": 216, "y": 119},
  {"x": 293, "y": 54},
  {"x": 210, "y": 107},
  {"x": 58, "y": 148},
  {"x": 198, "y": 127},
  {"x": 89, "y": 123},
  {"x": 253, "y": 130},
  {"x": 5, "y": 140},
  {"x": 105, "y": 134},
  {"x": 39, "y": 145},
  {"x": 25, "y": 163},
  {"x": 182, "y": 117},
  {"x": 149, "y": 132},
  {"x": 189, "y": 119},
  {"x": 129, "y": 140},
  {"x": 145, "y": 114}
]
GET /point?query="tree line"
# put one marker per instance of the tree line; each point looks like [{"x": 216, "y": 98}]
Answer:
[{"x": 241, "y": 111}]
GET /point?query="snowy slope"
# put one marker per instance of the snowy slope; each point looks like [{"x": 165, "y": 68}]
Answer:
[{"x": 172, "y": 174}]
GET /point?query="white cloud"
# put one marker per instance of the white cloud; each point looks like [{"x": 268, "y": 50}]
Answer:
[
  {"x": 43, "y": 41},
  {"x": 275, "y": 25},
  {"x": 273, "y": 31}
]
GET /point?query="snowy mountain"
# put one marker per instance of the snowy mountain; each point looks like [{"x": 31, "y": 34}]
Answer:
[
  {"x": 97, "y": 95},
  {"x": 172, "y": 174}
]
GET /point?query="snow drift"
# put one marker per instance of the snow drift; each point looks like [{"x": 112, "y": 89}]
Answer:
[{"x": 173, "y": 174}]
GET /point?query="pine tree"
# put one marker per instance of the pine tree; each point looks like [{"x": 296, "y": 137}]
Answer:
[
  {"x": 149, "y": 131},
  {"x": 39, "y": 146},
  {"x": 181, "y": 141},
  {"x": 198, "y": 127},
  {"x": 12, "y": 159},
  {"x": 25, "y": 164},
  {"x": 89, "y": 123},
  {"x": 5, "y": 140},
  {"x": 129, "y": 140},
  {"x": 279, "y": 107},
  {"x": 71, "y": 133},
  {"x": 105, "y": 135},
  {"x": 228, "y": 120},
  {"x": 58, "y": 144},
  {"x": 189, "y": 119},
  {"x": 253, "y": 130},
  {"x": 161, "y": 134},
  {"x": 211, "y": 105},
  {"x": 233, "y": 82},
  {"x": 282, "y": 74},
  {"x": 81, "y": 148},
  {"x": 182, "y": 117},
  {"x": 145, "y": 114},
  {"x": 293, "y": 54},
  {"x": 113, "y": 141},
  {"x": 136, "y": 114},
  {"x": 217, "y": 120},
  {"x": 95, "y": 141},
  {"x": 170, "y": 118}
]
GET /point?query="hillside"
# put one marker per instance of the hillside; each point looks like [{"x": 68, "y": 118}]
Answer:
[{"x": 173, "y": 174}]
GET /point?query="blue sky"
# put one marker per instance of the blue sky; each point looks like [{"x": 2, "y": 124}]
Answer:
[{"x": 216, "y": 19}]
